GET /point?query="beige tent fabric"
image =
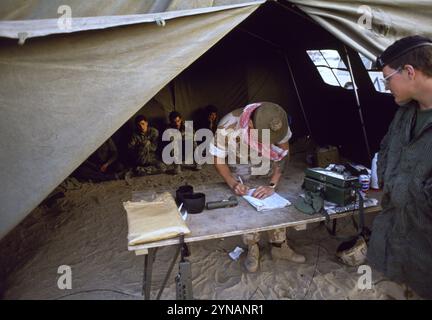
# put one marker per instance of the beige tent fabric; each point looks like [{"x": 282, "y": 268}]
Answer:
[
  {"x": 63, "y": 96},
  {"x": 370, "y": 26},
  {"x": 231, "y": 84}
]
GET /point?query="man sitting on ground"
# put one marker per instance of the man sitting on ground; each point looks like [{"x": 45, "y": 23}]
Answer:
[
  {"x": 211, "y": 118},
  {"x": 102, "y": 165},
  {"x": 176, "y": 122},
  {"x": 143, "y": 145}
]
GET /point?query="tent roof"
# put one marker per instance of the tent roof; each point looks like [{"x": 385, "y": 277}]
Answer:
[{"x": 368, "y": 26}]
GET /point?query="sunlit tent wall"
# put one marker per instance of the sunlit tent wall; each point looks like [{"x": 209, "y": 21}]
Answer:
[{"x": 64, "y": 92}]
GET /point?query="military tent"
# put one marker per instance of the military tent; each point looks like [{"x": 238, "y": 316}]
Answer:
[{"x": 73, "y": 72}]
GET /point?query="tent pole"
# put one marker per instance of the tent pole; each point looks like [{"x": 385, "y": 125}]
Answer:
[
  {"x": 298, "y": 94},
  {"x": 260, "y": 38},
  {"x": 290, "y": 7},
  {"x": 358, "y": 103}
]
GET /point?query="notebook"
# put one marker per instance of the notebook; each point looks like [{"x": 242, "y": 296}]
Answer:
[{"x": 275, "y": 201}]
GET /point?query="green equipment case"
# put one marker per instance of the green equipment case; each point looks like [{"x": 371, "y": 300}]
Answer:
[{"x": 335, "y": 187}]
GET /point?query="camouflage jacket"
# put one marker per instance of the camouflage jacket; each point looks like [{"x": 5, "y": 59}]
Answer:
[
  {"x": 401, "y": 242},
  {"x": 144, "y": 140}
]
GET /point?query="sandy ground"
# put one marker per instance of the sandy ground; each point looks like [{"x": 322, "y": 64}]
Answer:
[{"x": 87, "y": 231}]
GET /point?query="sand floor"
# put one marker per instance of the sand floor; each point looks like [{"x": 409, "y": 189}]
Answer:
[{"x": 87, "y": 231}]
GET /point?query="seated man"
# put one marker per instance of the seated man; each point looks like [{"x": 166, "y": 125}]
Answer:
[
  {"x": 211, "y": 118},
  {"x": 102, "y": 165},
  {"x": 143, "y": 145},
  {"x": 176, "y": 122},
  {"x": 231, "y": 140}
]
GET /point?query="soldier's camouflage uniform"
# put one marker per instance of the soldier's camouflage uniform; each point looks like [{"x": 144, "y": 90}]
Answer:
[
  {"x": 143, "y": 145},
  {"x": 401, "y": 242}
]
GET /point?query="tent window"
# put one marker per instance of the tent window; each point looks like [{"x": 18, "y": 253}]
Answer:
[
  {"x": 331, "y": 67},
  {"x": 375, "y": 75}
]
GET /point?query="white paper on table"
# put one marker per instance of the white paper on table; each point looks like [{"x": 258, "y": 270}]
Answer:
[{"x": 275, "y": 201}]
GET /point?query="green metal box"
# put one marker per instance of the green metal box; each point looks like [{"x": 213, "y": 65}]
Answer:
[
  {"x": 338, "y": 195},
  {"x": 331, "y": 177},
  {"x": 336, "y": 187}
]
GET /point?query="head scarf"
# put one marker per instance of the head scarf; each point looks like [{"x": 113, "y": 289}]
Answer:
[{"x": 270, "y": 151}]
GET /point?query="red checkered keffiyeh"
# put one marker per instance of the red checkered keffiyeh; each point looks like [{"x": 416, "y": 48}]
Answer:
[{"x": 273, "y": 152}]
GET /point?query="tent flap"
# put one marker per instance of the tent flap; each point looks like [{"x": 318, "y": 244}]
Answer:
[{"x": 62, "y": 97}]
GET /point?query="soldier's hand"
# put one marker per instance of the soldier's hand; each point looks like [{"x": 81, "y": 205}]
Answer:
[
  {"x": 263, "y": 192},
  {"x": 240, "y": 189}
]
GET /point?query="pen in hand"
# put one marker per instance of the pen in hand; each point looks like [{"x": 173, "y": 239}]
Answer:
[
  {"x": 240, "y": 189},
  {"x": 240, "y": 179}
]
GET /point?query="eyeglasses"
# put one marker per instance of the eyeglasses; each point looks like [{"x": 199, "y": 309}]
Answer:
[{"x": 386, "y": 79}]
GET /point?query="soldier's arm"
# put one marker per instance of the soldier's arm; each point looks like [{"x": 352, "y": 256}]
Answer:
[
  {"x": 383, "y": 154},
  {"x": 225, "y": 172},
  {"x": 133, "y": 142},
  {"x": 262, "y": 192},
  {"x": 113, "y": 151},
  {"x": 279, "y": 166},
  {"x": 154, "y": 139}
]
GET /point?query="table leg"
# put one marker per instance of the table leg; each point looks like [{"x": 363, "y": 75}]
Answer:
[
  {"x": 148, "y": 269},
  {"x": 169, "y": 272},
  {"x": 334, "y": 226}
]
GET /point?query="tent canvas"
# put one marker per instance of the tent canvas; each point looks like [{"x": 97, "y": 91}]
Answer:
[
  {"x": 63, "y": 94},
  {"x": 62, "y": 90}
]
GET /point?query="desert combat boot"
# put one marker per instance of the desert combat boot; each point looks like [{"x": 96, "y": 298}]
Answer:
[
  {"x": 251, "y": 262},
  {"x": 285, "y": 252}
]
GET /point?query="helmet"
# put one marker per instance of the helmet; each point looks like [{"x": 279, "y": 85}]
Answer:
[{"x": 353, "y": 252}]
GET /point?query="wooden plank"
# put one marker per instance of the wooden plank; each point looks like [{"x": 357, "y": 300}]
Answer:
[
  {"x": 226, "y": 222},
  {"x": 301, "y": 227},
  {"x": 141, "y": 252}
]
